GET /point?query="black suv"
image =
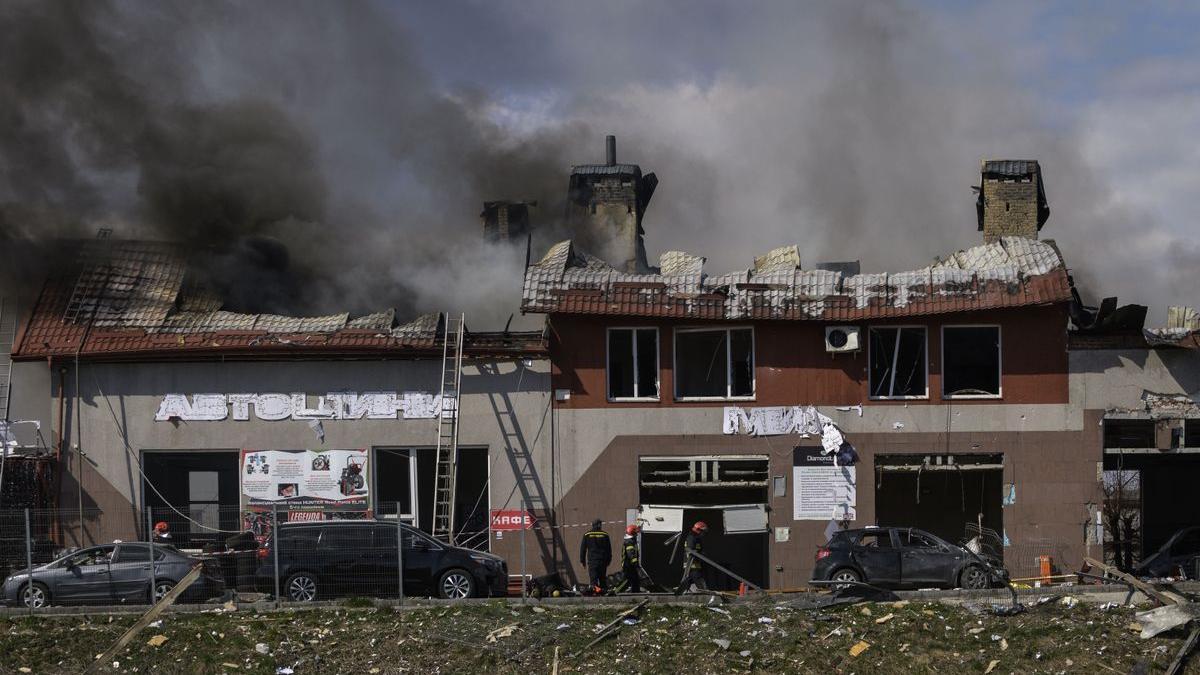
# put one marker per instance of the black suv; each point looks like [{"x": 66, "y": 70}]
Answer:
[
  {"x": 322, "y": 560},
  {"x": 899, "y": 557}
]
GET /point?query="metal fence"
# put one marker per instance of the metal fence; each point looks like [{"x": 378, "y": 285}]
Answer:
[{"x": 57, "y": 557}]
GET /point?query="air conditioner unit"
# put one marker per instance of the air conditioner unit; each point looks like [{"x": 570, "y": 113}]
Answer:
[{"x": 841, "y": 339}]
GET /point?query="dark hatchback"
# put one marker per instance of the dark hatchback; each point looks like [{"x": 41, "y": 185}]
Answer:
[
  {"x": 323, "y": 560},
  {"x": 110, "y": 574},
  {"x": 895, "y": 557}
]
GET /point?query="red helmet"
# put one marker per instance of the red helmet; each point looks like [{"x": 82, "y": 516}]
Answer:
[
  {"x": 160, "y": 526},
  {"x": 700, "y": 526},
  {"x": 632, "y": 529}
]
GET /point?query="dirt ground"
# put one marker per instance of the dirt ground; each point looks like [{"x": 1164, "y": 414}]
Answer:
[{"x": 765, "y": 636}]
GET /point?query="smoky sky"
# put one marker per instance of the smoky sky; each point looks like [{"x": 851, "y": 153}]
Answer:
[{"x": 323, "y": 157}]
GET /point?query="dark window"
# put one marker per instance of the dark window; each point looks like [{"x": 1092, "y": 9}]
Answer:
[
  {"x": 916, "y": 540},
  {"x": 1191, "y": 433},
  {"x": 1188, "y": 544},
  {"x": 876, "y": 540},
  {"x": 897, "y": 362},
  {"x": 971, "y": 361},
  {"x": 632, "y": 363},
  {"x": 714, "y": 363},
  {"x": 1129, "y": 434},
  {"x": 135, "y": 553}
]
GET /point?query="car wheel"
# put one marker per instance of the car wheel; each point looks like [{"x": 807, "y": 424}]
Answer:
[
  {"x": 847, "y": 576},
  {"x": 161, "y": 588},
  {"x": 35, "y": 595},
  {"x": 301, "y": 587},
  {"x": 456, "y": 584},
  {"x": 973, "y": 578}
]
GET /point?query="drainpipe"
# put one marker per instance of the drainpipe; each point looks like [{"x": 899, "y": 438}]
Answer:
[{"x": 62, "y": 420}]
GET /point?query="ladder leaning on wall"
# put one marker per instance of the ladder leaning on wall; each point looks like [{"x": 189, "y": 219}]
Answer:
[{"x": 447, "y": 440}]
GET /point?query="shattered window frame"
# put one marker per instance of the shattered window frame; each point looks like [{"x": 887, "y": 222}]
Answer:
[
  {"x": 999, "y": 361},
  {"x": 729, "y": 372},
  {"x": 633, "y": 338},
  {"x": 871, "y": 331}
]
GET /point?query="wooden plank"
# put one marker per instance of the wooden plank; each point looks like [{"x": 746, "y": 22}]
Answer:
[
  {"x": 146, "y": 619},
  {"x": 609, "y": 629},
  {"x": 1188, "y": 647},
  {"x": 1164, "y": 597}
]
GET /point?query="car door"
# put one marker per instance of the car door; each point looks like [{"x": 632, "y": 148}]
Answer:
[
  {"x": 345, "y": 551},
  {"x": 878, "y": 556},
  {"x": 84, "y": 577},
  {"x": 925, "y": 560},
  {"x": 130, "y": 571},
  {"x": 420, "y": 557}
]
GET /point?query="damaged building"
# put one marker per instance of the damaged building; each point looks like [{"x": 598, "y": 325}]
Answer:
[
  {"x": 682, "y": 395},
  {"x": 144, "y": 393}
]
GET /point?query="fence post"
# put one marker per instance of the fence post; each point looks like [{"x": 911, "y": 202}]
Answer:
[
  {"x": 150, "y": 540},
  {"x": 277, "y": 538},
  {"x": 399, "y": 554},
  {"x": 29, "y": 554},
  {"x": 524, "y": 526}
]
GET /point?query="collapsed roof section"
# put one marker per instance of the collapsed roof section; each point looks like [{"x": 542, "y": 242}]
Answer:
[
  {"x": 136, "y": 298},
  {"x": 1182, "y": 329},
  {"x": 1012, "y": 272}
]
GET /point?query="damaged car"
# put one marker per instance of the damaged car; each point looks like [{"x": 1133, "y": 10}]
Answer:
[{"x": 904, "y": 557}]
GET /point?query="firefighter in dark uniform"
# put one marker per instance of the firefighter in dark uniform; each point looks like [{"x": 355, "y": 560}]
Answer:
[
  {"x": 595, "y": 551},
  {"x": 693, "y": 567},
  {"x": 630, "y": 561}
]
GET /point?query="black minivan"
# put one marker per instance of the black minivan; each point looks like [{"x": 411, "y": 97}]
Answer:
[{"x": 340, "y": 558}]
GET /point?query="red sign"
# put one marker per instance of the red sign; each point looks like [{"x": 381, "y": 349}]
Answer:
[{"x": 507, "y": 521}]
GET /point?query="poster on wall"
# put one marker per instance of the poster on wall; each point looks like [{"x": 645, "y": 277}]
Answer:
[
  {"x": 821, "y": 490},
  {"x": 298, "y": 480}
]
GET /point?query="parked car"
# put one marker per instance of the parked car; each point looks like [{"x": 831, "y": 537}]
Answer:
[
  {"x": 109, "y": 574},
  {"x": 335, "y": 558},
  {"x": 904, "y": 557},
  {"x": 1179, "y": 556}
]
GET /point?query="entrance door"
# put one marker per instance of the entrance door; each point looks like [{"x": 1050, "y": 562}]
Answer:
[{"x": 916, "y": 491}]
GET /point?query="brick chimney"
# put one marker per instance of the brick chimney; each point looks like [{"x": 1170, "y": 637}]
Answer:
[
  {"x": 1012, "y": 199},
  {"x": 605, "y": 204}
]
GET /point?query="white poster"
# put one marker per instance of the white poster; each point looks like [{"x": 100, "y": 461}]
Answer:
[
  {"x": 302, "y": 479},
  {"x": 822, "y": 491}
]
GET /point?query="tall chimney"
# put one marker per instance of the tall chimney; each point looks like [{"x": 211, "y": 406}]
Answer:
[{"x": 610, "y": 142}]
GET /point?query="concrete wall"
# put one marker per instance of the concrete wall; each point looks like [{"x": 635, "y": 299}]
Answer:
[{"x": 1116, "y": 378}]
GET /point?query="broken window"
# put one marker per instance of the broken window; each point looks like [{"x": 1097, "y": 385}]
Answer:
[
  {"x": 897, "y": 362},
  {"x": 876, "y": 540},
  {"x": 970, "y": 361},
  {"x": 1129, "y": 434},
  {"x": 1191, "y": 433},
  {"x": 714, "y": 363},
  {"x": 632, "y": 363}
]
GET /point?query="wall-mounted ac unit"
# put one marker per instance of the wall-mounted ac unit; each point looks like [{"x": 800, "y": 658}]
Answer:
[{"x": 841, "y": 339}]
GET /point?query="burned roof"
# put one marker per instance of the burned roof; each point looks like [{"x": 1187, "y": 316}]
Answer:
[
  {"x": 136, "y": 298},
  {"x": 1013, "y": 272},
  {"x": 1010, "y": 168},
  {"x": 606, "y": 170}
]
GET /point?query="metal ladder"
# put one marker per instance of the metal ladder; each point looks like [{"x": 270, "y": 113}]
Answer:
[
  {"x": 447, "y": 441},
  {"x": 8, "y": 333}
]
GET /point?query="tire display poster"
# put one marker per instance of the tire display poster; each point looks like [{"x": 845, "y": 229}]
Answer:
[
  {"x": 822, "y": 491},
  {"x": 305, "y": 479}
]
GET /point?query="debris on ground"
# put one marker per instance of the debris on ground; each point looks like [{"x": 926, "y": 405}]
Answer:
[{"x": 859, "y": 648}]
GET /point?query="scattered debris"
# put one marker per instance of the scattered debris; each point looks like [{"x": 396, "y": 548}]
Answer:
[
  {"x": 765, "y": 619},
  {"x": 262, "y": 648},
  {"x": 157, "y": 641},
  {"x": 722, "y": 643},
  {"x": 1069, "y": 601},
  {"x": 562, "y": 626},
  {"x": 991, "y": 666},
  {"x": 502, "y": 632},
  {"x": 1188, "y": 647},
  {"x": 1163, "y": 619},
  {"x": 885, "y": 618},
  {"x": 859, "y": 648},
  {"x": 718, "y": 610}
]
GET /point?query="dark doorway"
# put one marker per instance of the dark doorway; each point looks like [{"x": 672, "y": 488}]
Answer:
[
  {"x": 471, "y": 503},
  {"x": 1164, "y": 477},
  {"x": 743, "y": 553},
  {"x": 195, "y": 493},
  {"x": 939, "y": 498},
  {"x": 395, "y": 480}
]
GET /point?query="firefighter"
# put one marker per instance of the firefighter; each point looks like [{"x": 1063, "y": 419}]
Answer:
[
  {"x": 162, "y": 533},
  {"x": 693, "y": 567},
  {"x": 595, "y": 551},
  {"x": 630, "y": 560}
]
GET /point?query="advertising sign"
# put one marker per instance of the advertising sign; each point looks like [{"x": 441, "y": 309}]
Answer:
[
  {"x": 822, "y": 491},
  {"x": 508, "y": 521},
  {"x": 305, "y": 479}
]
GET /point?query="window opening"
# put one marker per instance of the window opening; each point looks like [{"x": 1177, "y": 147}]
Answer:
[
  {"x": 632, "y": 363},
  {"x": 898, "y": 368},
  {"x": 971, "y": 361},
  {"x": 714, "y": 363}
]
